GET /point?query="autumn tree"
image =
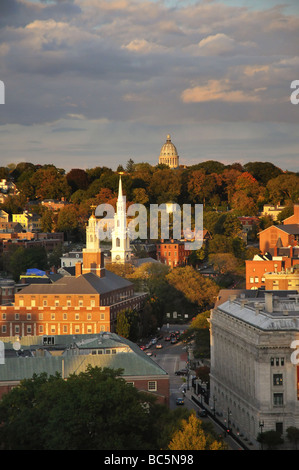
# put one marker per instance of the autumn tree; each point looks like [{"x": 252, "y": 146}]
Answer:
[
  {"x": 165, "y": 186},
  {"x": 262, "y": 171},
  {"x": 77, "y": 179},
  {"x": 192, "y": 437},
  {"x": 50, "y": 183},
  {"x": 196, "y": 288},
  {"x": 224, "y": 263}
]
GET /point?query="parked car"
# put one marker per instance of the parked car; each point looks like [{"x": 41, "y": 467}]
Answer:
[
  {"x": 181, "y": 372},
  {"x": 180, "y": 401},
  {"x": 202, "y": 413},
  {"x": 159, "y": 346}
]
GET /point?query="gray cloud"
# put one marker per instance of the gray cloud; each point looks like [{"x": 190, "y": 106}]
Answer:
[{"x": 143, "y": 65}]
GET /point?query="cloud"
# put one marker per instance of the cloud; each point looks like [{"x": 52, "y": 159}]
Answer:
[
  {"x": 220, "y": 43},
  {"x": 217, "y": 90},
  {"x": 143, "y": 64}
]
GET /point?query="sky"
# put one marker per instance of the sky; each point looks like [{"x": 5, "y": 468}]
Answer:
[{"x": 98, "y": 82}]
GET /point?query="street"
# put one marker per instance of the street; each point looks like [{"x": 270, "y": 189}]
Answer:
[{"x": 173, "y": 357}]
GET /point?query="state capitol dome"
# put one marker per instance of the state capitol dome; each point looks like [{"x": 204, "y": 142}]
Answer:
[{"x": 169, "y": 155}]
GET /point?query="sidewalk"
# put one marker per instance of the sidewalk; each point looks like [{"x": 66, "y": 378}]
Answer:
[{"x": 245, "y": 445}]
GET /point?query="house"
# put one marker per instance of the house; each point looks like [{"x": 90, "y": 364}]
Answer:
[
  {"x": 30, "y": 222},
  {"x": 279, "y": 251}
]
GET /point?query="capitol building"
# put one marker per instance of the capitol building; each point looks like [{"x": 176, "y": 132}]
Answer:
[{"x": 168, "y": 154}]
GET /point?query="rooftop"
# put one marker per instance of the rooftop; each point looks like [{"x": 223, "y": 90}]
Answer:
[
  {"x": 69, "y": 354},
  {"x": 270, "y": 310},
  {"x": 87, "y": 283}
]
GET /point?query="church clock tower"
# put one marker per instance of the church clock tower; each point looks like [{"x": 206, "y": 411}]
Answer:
[{"x": 93, "y": 260}]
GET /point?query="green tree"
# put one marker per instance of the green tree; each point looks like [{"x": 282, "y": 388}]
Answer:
[
  {"x": 127, "y": 324},
  {"x": 47, "y": 224},
  {"x": 67, "y": 220},
  {"x": 262, "y": 171},
  {"x": 94, "y": 410},
  {"x": 272, "y": 439},
  {"x": 293, "y": 435},
  {"x": 284, "y": 188},
  {"x": 19, "y": 259}
]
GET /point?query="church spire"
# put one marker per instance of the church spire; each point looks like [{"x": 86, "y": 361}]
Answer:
[{"x": 121, "y": 251}]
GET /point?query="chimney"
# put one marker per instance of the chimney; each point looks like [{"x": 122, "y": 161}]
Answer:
[
  {"x": 269, "y": 302},
  {"x": 78, "y": 268}
]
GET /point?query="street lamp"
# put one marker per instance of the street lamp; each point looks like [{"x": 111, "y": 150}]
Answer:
[
  {"x": 214, "y": 401},
  {"x": 229, "y": 413},
  {"x": 261, "y": 425}
]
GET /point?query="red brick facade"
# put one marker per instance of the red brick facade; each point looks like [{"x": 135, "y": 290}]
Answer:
[{"x": 172, "y": 253}]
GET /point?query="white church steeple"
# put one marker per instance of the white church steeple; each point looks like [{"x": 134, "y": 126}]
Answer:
[{"x": 121, "y": 251}]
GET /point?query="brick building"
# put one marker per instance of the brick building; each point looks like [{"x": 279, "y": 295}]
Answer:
[
  {"x": 85, "y": 303},
  {"x": 172, "y": 253},
  {"x": 68, "y": 355},
  {"x": 279, "y": 247}
]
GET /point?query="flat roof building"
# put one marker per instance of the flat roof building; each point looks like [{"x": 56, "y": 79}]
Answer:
[{"x": 254, "y": 376}]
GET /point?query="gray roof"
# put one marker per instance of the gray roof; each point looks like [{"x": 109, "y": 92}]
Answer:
[
  {"x": 88, "y": 283},
  {"x": 292, "y": 229},
  {"x": 134, "y": 362},
  {"x": 284, "y": 315}
]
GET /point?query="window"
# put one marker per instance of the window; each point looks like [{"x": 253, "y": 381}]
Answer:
[
  {"x": 152, "y": 386},
  {"x": 41, "y": 328},
  {"x": 279, "y": 427},
  {"x": 28, "y": 316},
  {"x": 41, "y": 316},
  {"x": 21, "y": 302},
  {"x": 3, "y": 316},
  {"x": 17, "y": 329},
  {"x": 251, "y": 280},
  {"x": 52, "y": 316},
  {"x": 77, "y": 316},
  {"x": 278, "y": 399},
  {"x": 64, "y": 329},
  {"x": 65, "y": 316},
  {"x": 277, "y": 361},
  {"x": 68, "y": 303},
  {"x": 277, "y": 379},
  {"x": 45, "y": 303},
  {"x": 3, "y": 328}
]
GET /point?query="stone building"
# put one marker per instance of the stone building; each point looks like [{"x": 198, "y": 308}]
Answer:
[
  {"x": 254, "y": 377},
  {"x": 168, "y": 154}
]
